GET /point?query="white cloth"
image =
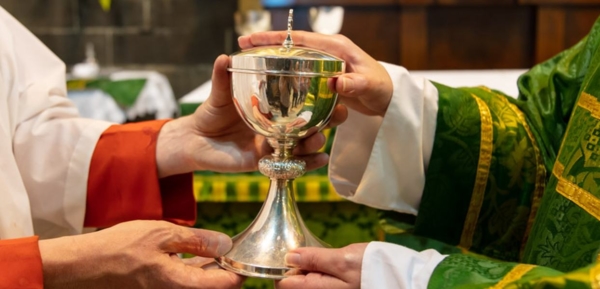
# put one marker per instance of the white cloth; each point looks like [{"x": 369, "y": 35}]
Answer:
[
  {"x": 156, "y": 96},
  {"x": 387, "y": 265},
  {"x": 45, "y": 148},
  {"x": 97, "y": 104}
]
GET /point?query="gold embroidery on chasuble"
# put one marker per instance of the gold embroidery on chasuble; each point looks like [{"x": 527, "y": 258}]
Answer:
[
  {"x": 515, "y": 274},
  {"x": 586, "y": 159},
  {"x": 577, "y": 195},
  {"x": 483, "y": 169}
]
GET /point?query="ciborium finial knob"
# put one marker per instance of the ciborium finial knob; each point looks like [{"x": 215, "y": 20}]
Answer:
[{"x": 289, "y": 43}]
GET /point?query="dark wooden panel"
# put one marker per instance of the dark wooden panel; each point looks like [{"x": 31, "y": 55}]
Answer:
[
  {"x": 457, "y": 34},
  {"x": 374, "y": 29},
  {"x": 476, "y": 2},
  {"x": 414, "y": 40},
  {"x": 416, "y": 2},
  {"x": 550, "y": 35},
  {"x": 554, "y": 2},
  {"x": 291, "y": 3},
  {"x": 578, "y": 22},
  {"x": 477, "y": 38}
]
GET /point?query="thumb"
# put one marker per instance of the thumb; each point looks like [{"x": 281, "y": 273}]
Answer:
[
  {"x": 220, "y": 95},
  {"x": 351, "y": 85},
  {"x": 316, "y": 260},
  {"x": 199, "y": 242}
]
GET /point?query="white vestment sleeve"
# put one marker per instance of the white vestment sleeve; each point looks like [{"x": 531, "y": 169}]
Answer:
[
  {"x": 52, "y": 144},
  {"x": 381, "y": 162},
  {"x": 388, "y": 265}
]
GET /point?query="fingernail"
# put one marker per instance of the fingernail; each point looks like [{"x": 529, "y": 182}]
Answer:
[
  {"x": 292, "y": 259},
  {"x": 224, "y": 244},
  {"x": 347, "y": 84}
]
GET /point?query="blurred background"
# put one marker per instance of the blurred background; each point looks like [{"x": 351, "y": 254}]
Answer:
[
  {"x": 131, "y": 60},
  {"x": 181, "y": 38}
]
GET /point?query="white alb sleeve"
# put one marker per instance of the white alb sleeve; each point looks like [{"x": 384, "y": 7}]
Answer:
[
  {"x": 388, "y": 265},
  {"x": 52, "y": 145},
  {"x": 381, "y": 162}
]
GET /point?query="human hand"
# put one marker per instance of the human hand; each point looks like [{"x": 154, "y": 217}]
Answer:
[
  {"x": 322, "y": 268},
  {"x": 216, "y": 138},
  {"x": 139, "y": 254},
  {"x": 296, "y": 123},
  {"x": 365, "y": 87},
  {"x": 266, "y": 123}
]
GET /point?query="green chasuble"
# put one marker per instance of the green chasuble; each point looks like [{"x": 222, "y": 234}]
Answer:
[{"x": 512, "y": 190}]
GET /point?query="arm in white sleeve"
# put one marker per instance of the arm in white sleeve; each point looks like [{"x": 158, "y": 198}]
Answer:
[
  {"x": 381, "y": 162},
  {"x": 52, "y": 144},
  {"x": 387, "y": 265}
]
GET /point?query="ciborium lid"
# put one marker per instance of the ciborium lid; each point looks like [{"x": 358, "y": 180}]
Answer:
[{"x": 287, "y": 60}]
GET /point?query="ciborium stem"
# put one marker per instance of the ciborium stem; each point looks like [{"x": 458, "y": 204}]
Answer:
[{"x": 260, "y": 250}]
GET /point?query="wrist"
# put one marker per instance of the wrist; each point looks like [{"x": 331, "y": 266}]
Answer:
[
  {"x": 174, "y": 147},
  {"x": 60, "y": 264}
]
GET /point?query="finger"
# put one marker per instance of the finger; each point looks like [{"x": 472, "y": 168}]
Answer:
[
  {"x": 363, "y": 94},
  {"x": 220, "y": 95},
  {"x": 214, "y": 279},
  {"x": 353, "y": 85},
  {"x": 328, "y": 261},
  {"x": 310, "y": 144},
  {"x": 311, "y": 280},
  {"x": 314, "y": 161},
  {"x": 199, "y": 262},
  {"x": 199, "y": 242},
  {"x": 339, "y": 115}
]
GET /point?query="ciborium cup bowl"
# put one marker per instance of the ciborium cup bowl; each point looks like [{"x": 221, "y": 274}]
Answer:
[{"x": 282, "y": 93}]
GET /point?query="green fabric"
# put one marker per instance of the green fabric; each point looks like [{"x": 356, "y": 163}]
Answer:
[
  {"x": 506, "y": 200},
  {"x": 565, "y": 236},
  {"x": 124, "y": 92},
  {"x": 537, "y": 201}
]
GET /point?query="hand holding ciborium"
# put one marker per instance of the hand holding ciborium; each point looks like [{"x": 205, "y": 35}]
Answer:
[{"x": 283, "y": 94}]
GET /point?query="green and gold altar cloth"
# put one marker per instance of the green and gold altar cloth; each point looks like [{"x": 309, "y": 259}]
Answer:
[
  {"x": 254, "y": 188},
  {"x": 520, "y": 206}
]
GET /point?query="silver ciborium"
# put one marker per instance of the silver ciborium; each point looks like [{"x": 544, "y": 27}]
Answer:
[{"x": 282, "y": 93}]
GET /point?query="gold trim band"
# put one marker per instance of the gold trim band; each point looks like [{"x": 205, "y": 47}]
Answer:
[
  {"x": 515, "y": 274},
  {"x": 540, "y": 176},
  {"x": 483, "y": 169},
  {"x": 575, "y": 194},
  {"x": 589, "y": 103},
  {"x": 595, "y": 276}
]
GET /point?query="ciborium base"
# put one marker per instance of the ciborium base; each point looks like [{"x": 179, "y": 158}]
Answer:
[
  {"x": 252, "y": 270},
  {"x": 259, "y": 251}
]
